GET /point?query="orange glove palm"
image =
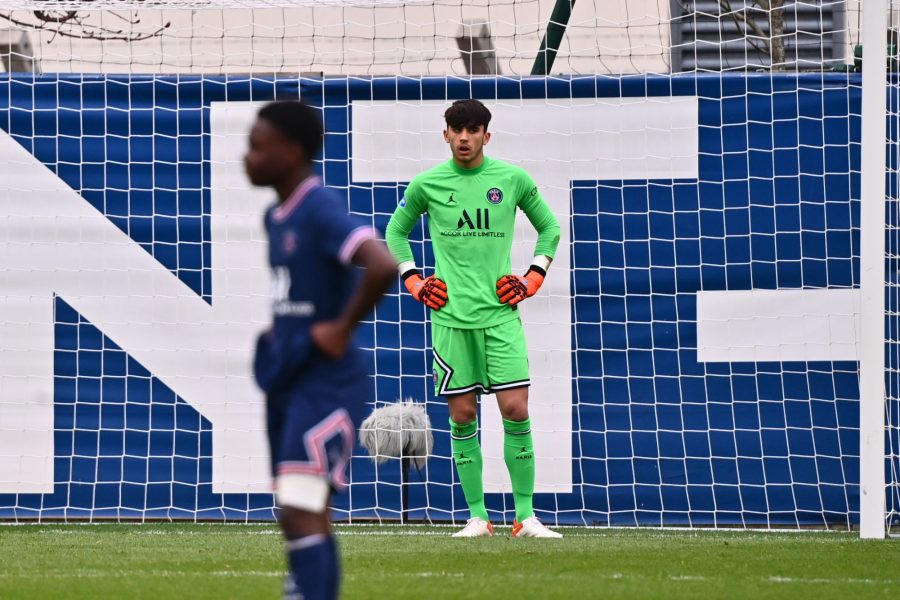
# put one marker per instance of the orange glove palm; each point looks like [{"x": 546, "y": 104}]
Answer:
[
  {"x": 430, "y": 291},
  {"x": 512, "y": 289}
]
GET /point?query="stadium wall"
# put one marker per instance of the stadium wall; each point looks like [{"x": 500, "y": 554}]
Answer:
[{"x": 657, "y": 436}]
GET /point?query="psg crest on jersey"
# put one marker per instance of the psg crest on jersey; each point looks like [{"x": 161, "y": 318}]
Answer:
[{"x": 494, "y": 196}]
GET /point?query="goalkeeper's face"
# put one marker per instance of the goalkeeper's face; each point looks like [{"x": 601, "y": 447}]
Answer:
[{"x": 467, "y": 143}]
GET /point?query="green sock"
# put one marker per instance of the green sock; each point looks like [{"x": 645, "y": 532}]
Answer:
[
  {"x": 467, "y": 456},
  {"x": 518, "y": 452}
]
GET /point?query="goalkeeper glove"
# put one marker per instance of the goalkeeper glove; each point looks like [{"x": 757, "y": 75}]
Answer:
[
  {"x": 512, "y": 289},
  {"x": 430, "y": 291}
]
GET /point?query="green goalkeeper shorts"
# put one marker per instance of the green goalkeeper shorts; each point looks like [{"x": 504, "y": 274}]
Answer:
[{"x": 479, "y": 360}]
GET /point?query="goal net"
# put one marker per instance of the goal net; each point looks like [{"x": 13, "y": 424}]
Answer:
[
  {"x": 694, "y": 352},
  {"x": 892, "y": 274}
]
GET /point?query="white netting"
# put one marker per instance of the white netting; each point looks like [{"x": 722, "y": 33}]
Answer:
[
  {"x": 892, "y": 277},
  {"x": 344, "y": 38},
  {"x": 685, "y": 169}
]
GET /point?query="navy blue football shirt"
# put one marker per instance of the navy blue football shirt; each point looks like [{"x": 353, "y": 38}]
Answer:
[{"x": 312, "y": 241}]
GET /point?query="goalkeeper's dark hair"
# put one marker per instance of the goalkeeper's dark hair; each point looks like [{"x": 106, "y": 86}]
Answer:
[
  {"x": 467, "y": 113},
  {"x": 298, "y": 122}
]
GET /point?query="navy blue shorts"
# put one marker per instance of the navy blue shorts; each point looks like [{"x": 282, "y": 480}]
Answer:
[{"x": 312, "y": 428}]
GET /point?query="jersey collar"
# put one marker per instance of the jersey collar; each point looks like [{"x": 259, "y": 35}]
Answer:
[
  {"x": 456, "y": 168},
  {"x": 284, "y": 210}
]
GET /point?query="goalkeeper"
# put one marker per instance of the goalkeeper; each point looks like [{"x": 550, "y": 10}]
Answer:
[{"x": 478, "y": 340}]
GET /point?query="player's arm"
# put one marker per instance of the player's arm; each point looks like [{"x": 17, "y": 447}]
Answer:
[
  {"x": 332, "y": 337},
  {"x": 351, "y": 243},
  {"x": 512, "y": 289},
  {"x": 430, "y": 291}
]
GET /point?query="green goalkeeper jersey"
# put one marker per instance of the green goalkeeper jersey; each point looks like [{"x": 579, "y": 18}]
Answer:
[{"x": 471, "y": 219}]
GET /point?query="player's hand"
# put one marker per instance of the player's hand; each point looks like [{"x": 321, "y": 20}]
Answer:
[
  {"x": 512, "y": 289},
  {"x": 331, "y": 337},
  {"x": 430, "y": 291}
]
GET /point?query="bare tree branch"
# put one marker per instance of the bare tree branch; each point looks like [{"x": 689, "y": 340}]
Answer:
[
  {"x": 776, "y": 30},
  {"x": 74, "y": 24},
  {"x": 743, "y": 23},
  {"x": 55, "y": 17}
]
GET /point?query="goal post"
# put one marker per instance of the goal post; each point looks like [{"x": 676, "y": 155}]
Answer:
[{"x": 873, "y": 230}]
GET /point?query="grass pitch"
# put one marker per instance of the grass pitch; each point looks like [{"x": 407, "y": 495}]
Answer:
[{"x": 160, "y": 561}]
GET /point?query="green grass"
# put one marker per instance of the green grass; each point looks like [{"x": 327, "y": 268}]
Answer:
[{"x": 159, "y": 561}]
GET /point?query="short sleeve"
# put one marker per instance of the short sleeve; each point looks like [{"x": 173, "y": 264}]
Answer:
[{"x": 339, "y": 233}]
